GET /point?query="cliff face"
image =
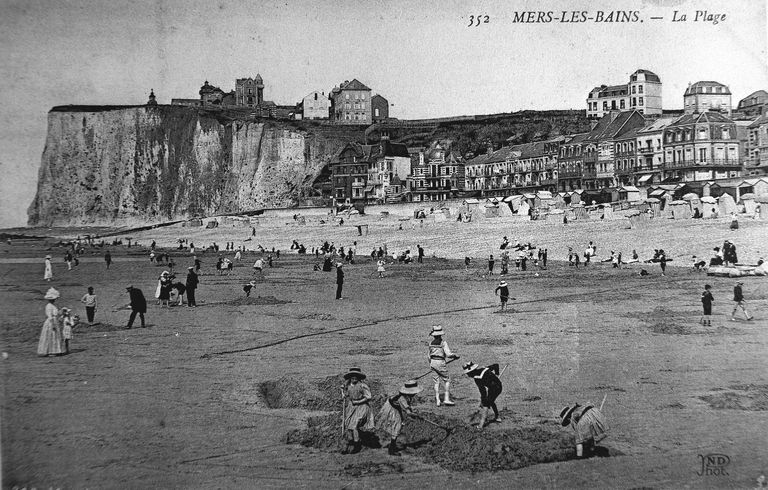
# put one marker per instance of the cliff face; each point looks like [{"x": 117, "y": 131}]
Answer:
[{"x": 153, "y": 164}]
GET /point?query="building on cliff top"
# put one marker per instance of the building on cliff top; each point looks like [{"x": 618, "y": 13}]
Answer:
[
  {"x": 351, "y": 103},
  {"x": 152, "y": 100},
  {"x": 642, "y": 93}
]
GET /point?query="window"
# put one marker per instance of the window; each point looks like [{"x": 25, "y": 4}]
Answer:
[
  {"x": 347, "y": 96},
  {"x": 633, "y": 89},
  {"x": 362, "y": 96},
  {"x": 709, "y": 90},
  {"x": 376, "y": 112},
  {"x": 639, "y": 89},
  {"x": 605, "y": 105},
  {"x": 621, "y": 104},
  {"x": 702, "y": 155},
  {"x": 315, "y": 95},
  {"x": 640, "y": 101},
  {"x": 634, "y": 102}
]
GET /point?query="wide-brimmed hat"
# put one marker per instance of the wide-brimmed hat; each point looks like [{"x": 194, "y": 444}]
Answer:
[
  {"x": 65, "y": 310},
  {"x": 165, "y": 273},
  {"x": 47, "y": 256},
  {"x": 469, "y": 367},
  {"x": 190, "y": 268},
  {"x": 739, "y": 282},
  {"x": 503, "y": 284},
  {"x": 437, "y": 330},
  {"x": 51, "y": 294},
  {"x": 411, "y": 387},
  {"x": 128, "y": 288},
  {"x": 565, "y": 414},
  {"x": 355, "y": 372}
]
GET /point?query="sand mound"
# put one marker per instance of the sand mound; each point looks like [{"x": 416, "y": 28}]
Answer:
[
  {"x": 753, "y": 398},
  {"x": 325, "y": 395},
  {"x": 456, "y": 446},
  {"x": 255, "y": 300}
]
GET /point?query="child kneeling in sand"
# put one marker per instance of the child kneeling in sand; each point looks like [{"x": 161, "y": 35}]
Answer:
[
  {"x": 392, "y": 413},
  {"x": 588, "y": 422}
]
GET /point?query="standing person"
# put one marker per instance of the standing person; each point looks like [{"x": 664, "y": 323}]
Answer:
[
  {"x": 50, "y": 335},
  {"x": 68, "y": 260},
  {"x": 662, "y": 261},
  {"x": 392, "y": 413},
  {"x": 89, "y": 300},
  {"x": 48, "y": 274},
  {"x": 138, "y": 305},
  {"x": 108, "y": 258},
  {"x": 163, "y": 292},
  {"x": 237, "y": 256},
  {"x": 589, "y": 425},
  {"x": 467, "y": 261},
  {"x": 491, "y": 262},
  {"x": 489, "y": 384},
  {"x": 502, "y": 290},
  {"x": 504, "y": 263},
  {"x": 357, "y": 411},
  {"x": 339, "y": 280},
  {"x": 380, "y": 267},
  {"x": 706, "y": 302},
  {"x": 191, "y": 283},
  {"x": 197, "y": 264},
  {"x": 738, "y": 298},
  {"x": 67, "y": 323},
  {"x": 421, "y": 254},
  {"x": 588, "y": 255},
  {"x": 544, "y": 257},
  {"x": 438, "y": 353},
  {"x": 576, "y": 260}
]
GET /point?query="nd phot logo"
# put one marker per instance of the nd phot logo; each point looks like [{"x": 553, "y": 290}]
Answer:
[{"x": 714, "y": 464}]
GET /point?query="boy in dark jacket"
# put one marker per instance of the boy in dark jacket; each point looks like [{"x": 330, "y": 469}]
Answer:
[
  {"x": 489, "y": 384},
  {"x": 706, "y": 302}
]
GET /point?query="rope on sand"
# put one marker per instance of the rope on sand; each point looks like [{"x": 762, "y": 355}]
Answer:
[{"x": 404, "y": 317}]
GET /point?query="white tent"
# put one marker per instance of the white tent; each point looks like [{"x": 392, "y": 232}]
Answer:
[{"x": 726, "y": 204}]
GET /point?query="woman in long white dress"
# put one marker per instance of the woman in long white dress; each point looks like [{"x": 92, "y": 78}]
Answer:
[
  {"x": 50, "y": 336},
  {"x": 48, "y": 275}
]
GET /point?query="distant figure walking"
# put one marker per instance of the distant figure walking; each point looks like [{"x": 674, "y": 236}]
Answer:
[
  {"x": 108, "y": 259},
  {"x": 48, "y": 274},
  {"x": 738, "y": 298},
  {"x": 706, "y": 302},
  {"x": 380, "y": 267}
]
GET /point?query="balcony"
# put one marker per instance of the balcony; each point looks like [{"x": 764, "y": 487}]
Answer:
[
  {"x": 589, "y": 174},
  {"x": 548, "y": 181},
  {"x": 647, "y": 150},
  {"x": 604, "y": 175},
  {"x": 711, "y": 162},
  {"x": 590, "y": 157}
]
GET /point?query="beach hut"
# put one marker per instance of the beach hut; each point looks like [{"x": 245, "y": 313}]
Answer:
[
  {"x": 628, "y": 193},
  {"x": 542, "y": 200},
  {"x": 579, "y": 211},
  {"x": 726, "y": 205},
  {"x": 605, "y": 211},
  {"x": 558, "y": 201},
  {"x": 505, "y": 209},
  {"x": 212, "y": 224},
  {"x": 762, "y": 201},
  {"x": 654, "y": 205},
  {"x": 749, "y": 203},
  {"x": 694, "y": 202},
  {"x": 680, "y": 209},
  {"x": 524, "y": 209},
  {"x": 708, "y": 207},
  {"x": 490, "y": 211},
  {"x": 575, "y": 197},
  {"x": 555, "y": 216},
  {"x": 195, "y": 222}
]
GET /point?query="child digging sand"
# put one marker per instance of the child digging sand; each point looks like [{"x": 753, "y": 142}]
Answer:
[{"x": 392, "y": 413}]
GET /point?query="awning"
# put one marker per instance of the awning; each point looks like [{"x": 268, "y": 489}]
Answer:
[
  {"x": 644, "y": 179},
  {"x": 658, "y": 192}
]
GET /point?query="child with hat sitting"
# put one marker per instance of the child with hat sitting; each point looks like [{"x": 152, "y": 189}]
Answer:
[
  {"x": 489, "y": 384},
  {"x": 357, "y": 411},
  {"x": 390, "y": 420},
  {"x": 588, "y": 422}
]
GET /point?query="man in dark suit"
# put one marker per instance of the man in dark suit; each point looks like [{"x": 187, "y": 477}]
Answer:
[
  {"x": 192, "y": 281},
  {"x": 138, "y": 305}
]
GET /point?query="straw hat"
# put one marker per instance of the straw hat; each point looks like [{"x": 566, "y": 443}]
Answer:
[
  {"x": 47, "y": 256},
  {"x": 437, "y": 330},
  {"x": 565, "y": 415},
  {"x": 164, "y": 273},
  {"x": 411, "y": 387},
  {"x": 190, "y": 268},
  {"x": 51, "y": 294},
  {"x": 65, "y": 310},
  {"x": 503, "y": 284},
  {"x": 355, "y": 372},
  {"x": 469, "y": 367},
  {"x": 129, "y": 288}
]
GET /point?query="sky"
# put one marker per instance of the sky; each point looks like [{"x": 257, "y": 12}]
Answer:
[{"x": 422, "y": 56}]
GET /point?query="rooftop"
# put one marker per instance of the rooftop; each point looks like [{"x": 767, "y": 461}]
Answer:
[{"x": 701, "y": 86}]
